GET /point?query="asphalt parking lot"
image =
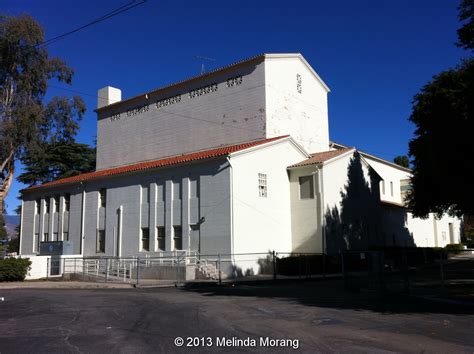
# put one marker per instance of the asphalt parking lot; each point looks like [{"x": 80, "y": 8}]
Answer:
[{"x": 307, "y": 316}]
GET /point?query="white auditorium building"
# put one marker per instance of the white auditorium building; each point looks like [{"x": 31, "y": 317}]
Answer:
[{"x": 233, "y": 161}]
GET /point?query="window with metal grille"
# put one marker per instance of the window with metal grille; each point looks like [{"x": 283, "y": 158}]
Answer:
[
  {"x": 67, "y": 201},
  {"x": 145, "y": 239},
  {"x": 262, "y": 185},
  {"x": 102, "y": 198},
  {"x": 178, "y": 237},
  {"x": 100, "y": 241},
  {"x": 56, "y": 204},
  {"x": 161, "y": 236}
]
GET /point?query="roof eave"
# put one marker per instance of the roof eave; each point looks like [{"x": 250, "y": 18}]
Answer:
[
  {"x": 182, "y": 82},
  {"x": 120, "y": 174}
]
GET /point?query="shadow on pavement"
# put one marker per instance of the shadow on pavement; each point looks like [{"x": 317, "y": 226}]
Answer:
[{"x": 329, "y": 294}]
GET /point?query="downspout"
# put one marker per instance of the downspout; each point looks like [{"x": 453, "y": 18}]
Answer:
[
  {"x": 119, "y": 232},
  {"x": 231, "y": 210},
  {"x": 321, "y": 212}
]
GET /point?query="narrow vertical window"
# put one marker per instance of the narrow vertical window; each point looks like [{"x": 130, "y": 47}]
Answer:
[
  {"x": 161, "y": 237},
  {"x": 382, "y": 186},
  {"x": 102, "y": 198},
  {"x": 45, "y": 237},
  {"x": 56, "y": 204},
  {"x": 306, "y": 187},
  {"x": 38, "y": 206},
  {"x": 100, "y": 246},
  {"x": 67, "y": 202},
  {"x": 391, "y": 189},
  {"x": 262, "y": 185},
  {"x": 46, "y": 206},
  {"x": 65, "y": 236},
  {"x": 145, "y": 239},
  {"x": 405, "y": 188},
  {"x": 178, "y": 237}
]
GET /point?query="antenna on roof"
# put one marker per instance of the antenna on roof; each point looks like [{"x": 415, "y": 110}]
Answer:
[{"x": 203, "y": 59}]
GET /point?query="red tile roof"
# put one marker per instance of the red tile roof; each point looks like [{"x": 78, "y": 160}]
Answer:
[
  {"x": 321, "y": 157},
  {"x": 168, "y": 161}
]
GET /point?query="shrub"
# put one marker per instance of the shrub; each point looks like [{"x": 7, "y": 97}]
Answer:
[
  {"x": 454, "y": 247},
  {"x": 308, "y": 264},
  {"x": 14, "y": 269}
]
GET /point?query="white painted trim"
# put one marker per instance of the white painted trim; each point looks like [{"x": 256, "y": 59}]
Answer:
[
  {"x": 61, "y": 218},
  {"x": 119, "y": 245},
  {"x": 369, "y": 166},
  {"x": 379, "y": 159},
  {"x": 21, "y": 224},
  {"x": 335, "y": 158},
  {"x": 83, "y": 216},
  {"x": 269, "y": 144},
  {"x": 140, "y": 202},
  {"x": 323, "y": 207},
  {"x": 231, "y": 198},
  {"x": 338, "y": 146}
]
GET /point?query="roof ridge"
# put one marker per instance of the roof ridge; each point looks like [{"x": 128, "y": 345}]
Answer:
[{"x": 322, "y": 156}]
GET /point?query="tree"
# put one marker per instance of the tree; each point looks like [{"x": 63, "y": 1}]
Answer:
[
  {"x": 3, "y": 230},
  {"x": 57, "y": 160},
  {"x": 14, "y": 243},
  {"x": 466, "y": 32},
  {"x": 26, "y": 121},
  {"x": 402, "y": 160},
  {"x": 442, "y": 150}
]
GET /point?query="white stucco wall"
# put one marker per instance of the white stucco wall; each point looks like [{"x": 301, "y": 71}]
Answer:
[
  {"x": 384, "y": 221},
  {"x": 443, "y": 233},
  {"x": 390, "y": 174},
  {"x": 306, "y": 222},
  {"x": 303, "y": 115},
  {"x": 262, "y": 224},
  {"x": 40, "y": 265}
]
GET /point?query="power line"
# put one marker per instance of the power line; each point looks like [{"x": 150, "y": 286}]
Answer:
[{"x": 128, "y": 6}]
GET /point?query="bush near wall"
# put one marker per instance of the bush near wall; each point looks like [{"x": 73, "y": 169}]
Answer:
[
  {"x": 14, "y": 269},
  {"x": 308, "y": 264}
]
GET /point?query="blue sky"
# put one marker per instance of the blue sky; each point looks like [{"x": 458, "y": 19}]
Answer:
[{"x": 374, "y": 55}]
